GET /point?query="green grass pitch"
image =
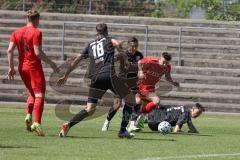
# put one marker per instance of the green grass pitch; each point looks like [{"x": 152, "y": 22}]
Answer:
[{"x": 219, "y": 139}]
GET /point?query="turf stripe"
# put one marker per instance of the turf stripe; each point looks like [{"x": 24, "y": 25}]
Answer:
[{"x": 193, "y": 156}]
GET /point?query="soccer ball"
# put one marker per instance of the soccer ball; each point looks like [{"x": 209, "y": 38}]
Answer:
[{"x": 164, "y": 127}]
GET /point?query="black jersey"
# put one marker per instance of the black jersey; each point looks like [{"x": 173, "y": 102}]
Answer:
[
  {"x": 174, "y": 115},
  {"x": 134, "y": 58},
  {"x": 133, "y": 70},
  {"x": 100, "y": 58}
]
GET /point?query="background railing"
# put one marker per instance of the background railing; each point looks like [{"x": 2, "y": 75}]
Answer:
[
  {"x": 181, "y": 37},
  {"x": 113, "y": 26}
]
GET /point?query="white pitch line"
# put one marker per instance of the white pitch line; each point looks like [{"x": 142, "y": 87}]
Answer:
[{"x": 194, "y": 156}]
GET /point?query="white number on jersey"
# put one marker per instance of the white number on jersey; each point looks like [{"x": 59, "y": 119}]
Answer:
[{"x": 98, "y": 50}]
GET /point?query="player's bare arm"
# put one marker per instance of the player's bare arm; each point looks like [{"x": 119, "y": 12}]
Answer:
[
  {"x": 73, "y": 65},
  {"x": 192, "y": 128},
  {"x": 39, "y": 52},
  {"x": 168, "y": 78},
  {"x": 10, "y": 51},
  {"x": 140, "y": 71},
  {"x": 115, "y": 42},
  {"x": 122, "y": 55}
]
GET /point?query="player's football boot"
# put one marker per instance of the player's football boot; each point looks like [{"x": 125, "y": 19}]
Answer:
[
  {"x": 125, "y": 134},
  {"x": 64, "y": 130},
  {"x": 140, "y": 122},
  {"x": 28, "y": 122},
  {"x": 132, "y": 127},
  {"x": 38, "y": 129},
  {"x": 105, "y": 125}
]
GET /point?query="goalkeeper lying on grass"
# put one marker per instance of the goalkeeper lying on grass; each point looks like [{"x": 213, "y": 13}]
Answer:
[{"x": 176, "y": 116}]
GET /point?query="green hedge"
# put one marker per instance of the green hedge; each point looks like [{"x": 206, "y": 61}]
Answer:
[{"x": 180, "y": 8}]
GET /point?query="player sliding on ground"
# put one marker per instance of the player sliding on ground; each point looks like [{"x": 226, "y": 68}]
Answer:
[
  {"x": 133, "y": 56},
  {"x": 151, "y": 70},
  {"x": 102, "y": 74},
  {"x": 176, "y": 116},
  {"x": 28, "y": 40}
]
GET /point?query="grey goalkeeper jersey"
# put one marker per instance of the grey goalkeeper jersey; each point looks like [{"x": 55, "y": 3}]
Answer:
[{"x": 173, "y": 115}]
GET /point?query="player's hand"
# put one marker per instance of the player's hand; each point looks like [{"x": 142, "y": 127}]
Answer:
[
  {"x": 141, "y": 75},
  {"x": 62, "y": 81},
  {"x": 180, "y": 131},
  {"x": 176, "y": 84},
  {"x": 11, "y": 74}
]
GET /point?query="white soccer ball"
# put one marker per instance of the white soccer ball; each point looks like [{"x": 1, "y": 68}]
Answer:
[{"x": 164, "y": 127}]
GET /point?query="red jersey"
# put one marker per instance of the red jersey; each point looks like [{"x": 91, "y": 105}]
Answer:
[
  {"x": 25, "y": 38},
  {"x": 153, "y": 72}
]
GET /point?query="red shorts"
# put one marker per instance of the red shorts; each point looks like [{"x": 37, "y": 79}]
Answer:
[
  {"x": 34, "y": 80},
  {"x": 144, "y": 90}
]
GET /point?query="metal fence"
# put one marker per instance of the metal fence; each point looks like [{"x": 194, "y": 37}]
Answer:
[{"x": 111, "y": 25}]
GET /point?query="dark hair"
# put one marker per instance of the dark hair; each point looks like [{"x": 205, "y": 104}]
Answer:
[
  {"x": 133, "y": 39},
  {"x": 32, "y": 15},
  {"x": 200, "y": 107},
  {"x": 102, "y": 29},
  {"x": 167, "y": 56}
]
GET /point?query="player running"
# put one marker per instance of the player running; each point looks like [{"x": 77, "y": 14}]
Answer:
[
  {"x": 151, "y": 70},
  {"x": 176, "y": 116},
  {"x": 103, "y": 77},
  {"x": 134, "y": 56},
  {"x": 28, "y": 40}
]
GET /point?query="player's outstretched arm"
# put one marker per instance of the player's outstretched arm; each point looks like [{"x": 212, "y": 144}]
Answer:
[
  {"x": 122, "y": 54},
  {"x": 10, "y": 51},
  {"x": 73, "y": 65},
  {"x": 192, "y": 128},
  {"x": 39, "y": 52},
  {"x": 168, "y": 78}
]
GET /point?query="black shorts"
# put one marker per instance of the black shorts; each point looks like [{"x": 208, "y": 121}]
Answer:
[
  {"x": 153, "y": 125},
  {"x": 99, "y": 86},
  {"x": 104, "y": 82}
]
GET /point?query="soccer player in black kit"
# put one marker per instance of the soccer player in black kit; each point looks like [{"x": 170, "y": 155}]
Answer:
[
  {"x": 133, "y": 56},
  {"x": 176, "y": 116},
  {"x": 102, "y": 74}
]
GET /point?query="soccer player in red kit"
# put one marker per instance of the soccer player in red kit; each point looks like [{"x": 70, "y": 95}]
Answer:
[
  {"x": 28, "y": 40},
  {"x": 151, "y": 69}
]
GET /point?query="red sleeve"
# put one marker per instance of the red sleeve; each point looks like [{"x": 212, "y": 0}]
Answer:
[
  {"x": 37, "y": 38},
  {"x": 13, "y": 38},
  {"x": 144, "y": 60}
]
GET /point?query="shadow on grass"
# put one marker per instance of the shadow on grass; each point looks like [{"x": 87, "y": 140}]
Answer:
[
  {"x": 79, "y": 137},
  {"x": 13, "y": 147},
  {"x": 111, "y": 138},
  {"x": 154, "y": 139},
  {"x": 181, "y": 133},
  {"x": 192, "y": 134}
]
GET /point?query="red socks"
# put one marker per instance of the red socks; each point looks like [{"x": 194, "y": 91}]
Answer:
[
  {"x": 148, "y": 108},
  {"x": 38, "y": 109},
  {"x": 30, "y": 104}
]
